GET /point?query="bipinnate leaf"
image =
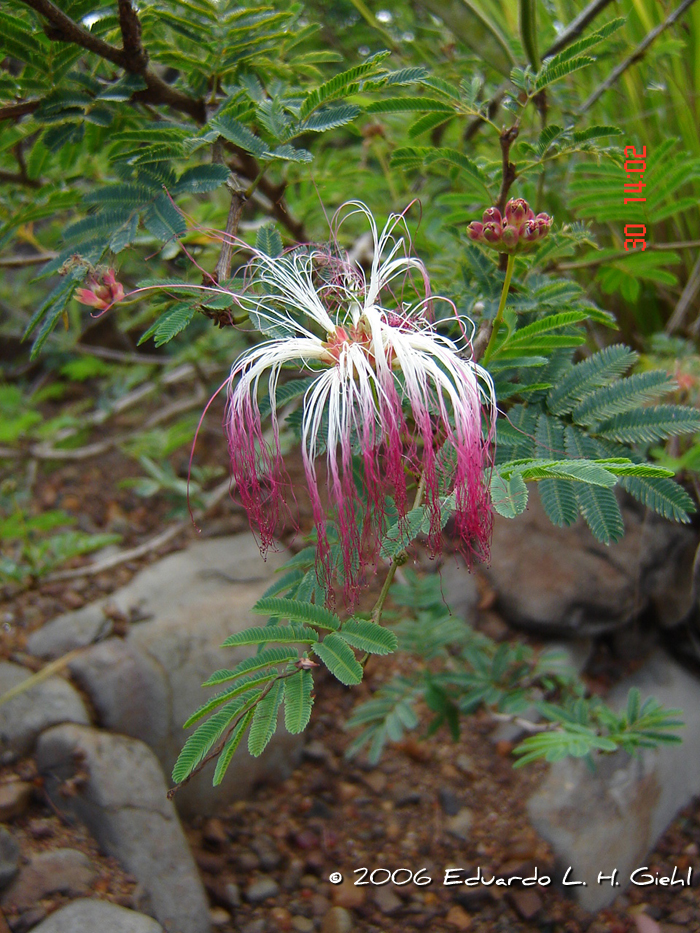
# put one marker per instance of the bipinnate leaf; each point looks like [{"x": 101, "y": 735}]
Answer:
[
  {"x": 244, "y": 686},
  {"x": 368, "y": 636},
  {"x": 297, "y": 611},
  {"x": 298, "y": 701},
  {"x": 269, "y": 241},
  {"x": 264, "y": 722},
  {"x": 230, "y": 747},
  {"x": 279, "y": 634},
  {"x": 339, "y": 658},
  {"x": 263, "y": 659},
  {"x": 202, "y": 739}
]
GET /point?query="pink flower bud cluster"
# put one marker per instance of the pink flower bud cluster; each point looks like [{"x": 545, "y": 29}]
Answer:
[
  {"x": 103, "y": 292},
  {"x": 518, "y": 231}
]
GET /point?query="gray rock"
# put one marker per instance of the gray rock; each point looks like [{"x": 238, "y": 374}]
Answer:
[
  {"x": 124, "y": 805},
  {"x": 561, "y": 581},
  {"x": 260, "y": 889},
  {"x": 611, "y": 819},
  {"x": 64, "y": 871},
  {"x": 25, "y": 716},
  {"x": 129, "y": 691},
  {"x": 9, "y": 857},
  {"x": 69, "y": 631},
  {"x": 459, "y": 588},
  {"x": 148, "y": 684},
  {"x": 90, "y": 916}
]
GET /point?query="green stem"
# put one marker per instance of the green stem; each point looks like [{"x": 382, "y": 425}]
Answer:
[
  {"x": 398, "y": 560},
  {"x": 501, "y": 308}
]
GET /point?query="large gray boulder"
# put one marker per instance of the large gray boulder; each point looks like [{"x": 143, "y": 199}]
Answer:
[
  {"x": 611, "y": 819},
  {"x": 561, "y": 581},
  {"x": 122, "y": 800},
  {"x": 147, "y": 684},
  {"x": 25, "y": 716},
  {"x": 92, "y": 916}
]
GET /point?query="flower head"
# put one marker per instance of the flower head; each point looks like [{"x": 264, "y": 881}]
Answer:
[
  {"x": 515, "y": 232},
  {"x": 103, "y": 292},
  {"x": 383, "y": 384}
]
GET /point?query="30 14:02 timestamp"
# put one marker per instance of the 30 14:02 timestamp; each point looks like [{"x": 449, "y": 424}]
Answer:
[{"x": 635, "y": 233}]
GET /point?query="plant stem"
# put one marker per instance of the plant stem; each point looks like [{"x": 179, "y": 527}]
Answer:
[
  {"x": 501, "y": 308},
  {"x": 397, "y": 561}
]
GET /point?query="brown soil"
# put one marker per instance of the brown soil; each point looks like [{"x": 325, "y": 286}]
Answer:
[{"x": 332, "y": 815}]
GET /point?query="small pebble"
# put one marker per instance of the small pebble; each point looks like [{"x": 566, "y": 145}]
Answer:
[
  {"x": 458, "y": 917},
  {"x": 214, "y": 832},
  {"x": 449, "y": 802},
  {"x": 218, "y": 916},
  {"x": 261, "y": 889},
  {"x": 232, "y": 893},
  {"x": 282, "y": 919},
  {"x": 14, "y": 799},
  {"x": 527, "y": 903},
  {"x": 348, "y": 895},
  {"x": 386, "y": 900},
  {"x": 302, "y": 924},
  {"x": 337, "y": 920},
  {"x": 460, "y": 824}
]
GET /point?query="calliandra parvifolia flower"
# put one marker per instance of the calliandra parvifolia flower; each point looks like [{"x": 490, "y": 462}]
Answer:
[
  {"x": 384, "y": 384},
  {"x": 515, "y": 232},
  {"x": 103, "y": 291}
]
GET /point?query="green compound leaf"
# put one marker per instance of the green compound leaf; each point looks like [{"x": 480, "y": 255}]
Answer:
[
  {"x": 298, "y": 701},
  {"x": 368, "y": 636},
  {"x": 598, "y": 370},
  {"x": 340, "y": 659},
  {"x": 245, "y": 685},
  {"x": 661, "y": 495},
  {"x": 263, "y": 659},
  {"x": 199, "y": 743},
  {"x": 297, "y": 611},
  {"x": 281, "y": 634},
  {"x": 509, "y": 496},
  {"x": 230, "y": 747},
  {"x": 264, "y": 722},
  {"x": 269, "y": 241}
]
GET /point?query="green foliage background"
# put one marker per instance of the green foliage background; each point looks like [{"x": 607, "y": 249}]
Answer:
[{"x": 128, "y": 137}]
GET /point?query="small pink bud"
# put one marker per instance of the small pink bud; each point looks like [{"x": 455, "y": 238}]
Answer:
[
  {"x": 475, "y": 230},
  {"x": 493, "y": 215},
  {"x": 543, "y": 222},
  {"x": 518, "y": 211},
  {"x": 529, "y": 232},
  {"x": 104, "y": 291},
  {"x": 510, "y": 238},
  {"x": 492, "y": 232}
]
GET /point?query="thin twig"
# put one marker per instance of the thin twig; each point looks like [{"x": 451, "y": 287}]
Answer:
[
  {"x": 132, "y": 58},
  {"x": 19, "y": 262},
  {"x": 635, "y": 56},
  {"x": 134, "y": 553},
  {"x": 576, "y": 27},
  {"x": 692, "y": 288},
  {"x": 15, "y": 111},
  {"x": 572, "y": 32},
  {"x": 507, "y": 138},
  {"x": 17, "y": 178}
]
